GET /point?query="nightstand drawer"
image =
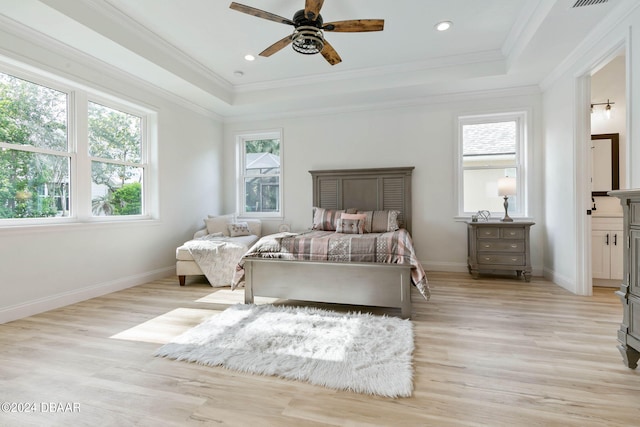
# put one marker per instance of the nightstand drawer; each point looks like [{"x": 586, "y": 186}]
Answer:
[
  {"x": 512, "y": 233},
  {"x": 501, "y": 259},
  {"x": 512, "y": 246},
  {"x": 488, "y": 233}
]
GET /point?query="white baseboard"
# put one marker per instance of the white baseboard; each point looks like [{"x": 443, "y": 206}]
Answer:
[
  {"x": 450, "y": 267},
  {"x": 559, "y": 280},
  {"x": 459, "y": 267},
  {"x": 41, "y": 305}
]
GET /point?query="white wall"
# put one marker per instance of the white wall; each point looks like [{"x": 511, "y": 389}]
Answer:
[
  {"x": 45, "y": 267},
  {"x": 559, "y": 173},
  {"x": 418, "y": 135},
  {"x": 563, "y": 138}
]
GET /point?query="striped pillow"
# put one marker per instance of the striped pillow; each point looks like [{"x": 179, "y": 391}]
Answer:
[
  {"x": 380, "y": 221},
  {"x": 327, "y": 219},
  {"x": 351, "y": 223}
]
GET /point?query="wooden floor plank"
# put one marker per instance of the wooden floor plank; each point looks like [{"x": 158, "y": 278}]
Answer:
[{"x": 496, "y": 351}]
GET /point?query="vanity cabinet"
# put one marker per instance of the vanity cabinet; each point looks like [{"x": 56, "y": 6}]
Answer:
[
  {"x": 629, "y": 293},
  {"x": 607, "y": 242}
]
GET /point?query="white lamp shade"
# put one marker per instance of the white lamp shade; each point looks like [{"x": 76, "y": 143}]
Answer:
[{"x": 507, "y": 186}]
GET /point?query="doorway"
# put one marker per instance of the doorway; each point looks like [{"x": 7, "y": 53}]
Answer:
[{"x": 607, "y": 119}]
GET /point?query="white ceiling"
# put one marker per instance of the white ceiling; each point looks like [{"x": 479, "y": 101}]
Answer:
[{"x": 193, "y": 48}]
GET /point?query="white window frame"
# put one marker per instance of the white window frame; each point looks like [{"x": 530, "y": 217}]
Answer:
[
  {"x": 521, "y": 161},
  {"x": 144, "y": 158},
  {"x": 241, "y": 139},
  {"x": 77, "y": 150}
]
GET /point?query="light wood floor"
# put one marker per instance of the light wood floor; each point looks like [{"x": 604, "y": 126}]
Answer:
[{"x": 489, "y": 352}]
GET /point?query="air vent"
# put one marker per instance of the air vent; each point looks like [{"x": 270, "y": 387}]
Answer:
[{"x": 580, "y": 3}]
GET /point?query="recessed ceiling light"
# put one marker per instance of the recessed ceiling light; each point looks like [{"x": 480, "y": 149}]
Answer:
[
  {"x": 444, "y": 25},
  {"x": 249, "y": 57}
]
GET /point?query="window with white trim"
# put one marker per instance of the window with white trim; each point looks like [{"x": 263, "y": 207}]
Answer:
[
  {"x": 67, "y": 154},
  {"x": 491, "y": 147},
  {"x": 117, "y": 168},
  {"x": 260, "y": 174}
]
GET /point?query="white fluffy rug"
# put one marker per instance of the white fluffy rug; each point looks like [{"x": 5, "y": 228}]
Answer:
[{"x": 354, "y": 351}]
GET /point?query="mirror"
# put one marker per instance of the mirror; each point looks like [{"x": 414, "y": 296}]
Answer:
[{"x": 605, "y": 163}]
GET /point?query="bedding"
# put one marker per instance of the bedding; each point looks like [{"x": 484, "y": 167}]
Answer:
[
  {"x": 216, "y": 255},
  {"x": 318, "y": 245}
]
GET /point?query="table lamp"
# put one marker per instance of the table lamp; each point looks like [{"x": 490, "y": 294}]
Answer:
[{"x": 506, "y": 188}]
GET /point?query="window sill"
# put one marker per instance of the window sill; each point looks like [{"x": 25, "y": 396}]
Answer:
[{"x": 74, "y": 225}]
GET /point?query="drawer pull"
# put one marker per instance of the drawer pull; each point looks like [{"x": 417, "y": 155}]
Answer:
[
  {"x": 487, "y": 246},
  {"x": 514, "y": 246},
  {"x": 514, "y": 259},
  {"x": 487, "y": 259},
  {"x": 512, "y": 233}
]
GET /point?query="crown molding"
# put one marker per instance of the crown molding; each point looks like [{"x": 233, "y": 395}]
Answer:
[
  {"x": 608, "y": 25},
  {"x": 71, "y": 54},
  {"x": 107, "y": 9},
  {"x": 525, "y": 27},
  {"x": 382, "y": 104},
  {"x": 108, "y": 21},
  {"x": 364, "y": 73}
]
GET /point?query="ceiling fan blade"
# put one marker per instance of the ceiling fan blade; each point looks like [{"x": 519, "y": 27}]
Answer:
[
  {"x": 280, "y": 44},
  {"x": 355, "y": 25},
  {"x": 312, "y": 9},
  {"x": 260, "y": 13},
  {"x": 330, "y": 54}
]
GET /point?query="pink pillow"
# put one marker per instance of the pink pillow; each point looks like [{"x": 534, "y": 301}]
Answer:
[
  {"x": 361, "y": 217},
  {"x": 351, "y": 224}
]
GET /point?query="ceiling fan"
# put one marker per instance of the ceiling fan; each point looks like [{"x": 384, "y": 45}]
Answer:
[{"x": 308, "y": 37}]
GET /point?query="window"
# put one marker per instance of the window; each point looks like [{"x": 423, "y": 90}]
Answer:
[
  {"x": 34, "y": 150},
  {"x": 44, "y": 154},
  {"x": 491, "y": 147},
  {"x": 260, "y": 174},
  {"x": 115, "y": 148}
]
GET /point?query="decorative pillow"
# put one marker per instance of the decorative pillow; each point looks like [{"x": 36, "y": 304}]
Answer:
[
  {"x": 350, "y": 226},
  {"x": 239, "y": 229},
  {"x": 359, "y": 216},
  {"x": 218, "y": 224},
  {"x": 255, "y": 226},
  {"x": 327, "y": 219},
  {"x": 380, "y": 221}
]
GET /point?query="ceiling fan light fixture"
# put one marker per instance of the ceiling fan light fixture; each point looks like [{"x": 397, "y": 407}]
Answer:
[
  {"x": 307, "y": 40},
  {"x": 443, "y": 26}
]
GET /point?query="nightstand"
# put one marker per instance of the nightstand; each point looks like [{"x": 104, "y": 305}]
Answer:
[{"x": 497, "y": 245}]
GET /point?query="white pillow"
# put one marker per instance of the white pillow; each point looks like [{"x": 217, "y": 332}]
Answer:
[
  {"x": 239, "y": 229},
  {"x": 219, "y": 224},
  {"x": 255, "y": 226}
]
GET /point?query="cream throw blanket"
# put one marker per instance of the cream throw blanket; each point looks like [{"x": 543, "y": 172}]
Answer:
[{"x": 217, "y": 257}]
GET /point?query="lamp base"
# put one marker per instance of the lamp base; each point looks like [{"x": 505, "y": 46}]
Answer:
[{"x": 506, "y": 218}]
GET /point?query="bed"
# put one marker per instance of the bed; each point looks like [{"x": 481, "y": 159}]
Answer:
[{"x": 337, "y": 275}]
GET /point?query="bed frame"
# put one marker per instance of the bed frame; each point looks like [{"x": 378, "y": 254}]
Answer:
[{"x": 372, "y": 284}]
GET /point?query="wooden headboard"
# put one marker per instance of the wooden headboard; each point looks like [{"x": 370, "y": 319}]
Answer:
[{"x": 365, "y": 189}]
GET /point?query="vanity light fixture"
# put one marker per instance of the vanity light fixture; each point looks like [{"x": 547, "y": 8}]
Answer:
[{"x": 607, "y": 109}]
